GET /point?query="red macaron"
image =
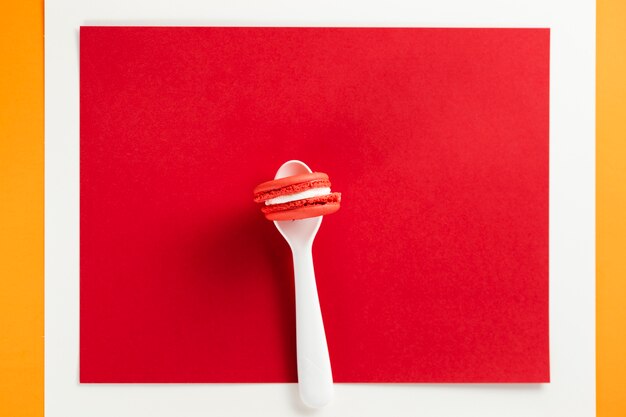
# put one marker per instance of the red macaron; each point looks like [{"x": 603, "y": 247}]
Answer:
[{"x": 297, "y": 197}]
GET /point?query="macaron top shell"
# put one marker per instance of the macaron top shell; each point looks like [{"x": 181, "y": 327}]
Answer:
[{"x": 290, "y": 185}]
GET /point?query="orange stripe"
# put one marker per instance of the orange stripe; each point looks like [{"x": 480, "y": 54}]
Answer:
[
  {"x": 611, "y": 208},
  {"x": 21, "y": 209}
]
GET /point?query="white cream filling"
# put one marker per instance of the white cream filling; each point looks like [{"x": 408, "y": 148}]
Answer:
[{"x": 310, "y": 193}]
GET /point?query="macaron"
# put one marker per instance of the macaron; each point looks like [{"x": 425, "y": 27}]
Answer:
[{"x": 297, "y": 197}]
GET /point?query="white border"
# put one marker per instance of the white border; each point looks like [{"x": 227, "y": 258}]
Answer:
[{"x": 572, "y": 213}]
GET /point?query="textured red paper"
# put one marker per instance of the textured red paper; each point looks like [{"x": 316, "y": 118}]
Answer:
[{"x": 434, "y": 270}]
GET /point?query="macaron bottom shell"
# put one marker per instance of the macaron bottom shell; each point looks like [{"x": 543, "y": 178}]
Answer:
[{"x": 303, "y": 209}]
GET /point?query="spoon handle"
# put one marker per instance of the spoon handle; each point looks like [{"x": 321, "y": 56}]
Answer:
[{"x": 315, "y": 379}]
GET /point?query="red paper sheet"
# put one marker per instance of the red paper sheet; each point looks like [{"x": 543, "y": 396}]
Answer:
[{"x": 434, "y": 270}]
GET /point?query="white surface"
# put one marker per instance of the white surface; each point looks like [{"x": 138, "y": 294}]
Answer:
[
  {"x": 312, "y": 192},
  {"x": 315, "y": 377},
  {"x": 572, "y": 211}
]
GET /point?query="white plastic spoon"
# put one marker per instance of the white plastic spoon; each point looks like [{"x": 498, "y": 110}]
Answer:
[{"x": 315, "y": 378}]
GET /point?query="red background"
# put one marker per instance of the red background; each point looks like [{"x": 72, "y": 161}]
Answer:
[{"x": 434, "y": 270}]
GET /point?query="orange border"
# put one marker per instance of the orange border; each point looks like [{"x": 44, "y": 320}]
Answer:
[
  {"x": 21, "y": 209},
  {"x": 611, "y": 208}
]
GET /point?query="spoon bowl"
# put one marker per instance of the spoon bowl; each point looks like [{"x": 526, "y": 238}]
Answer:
[{"x": 297, "y": 232}]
